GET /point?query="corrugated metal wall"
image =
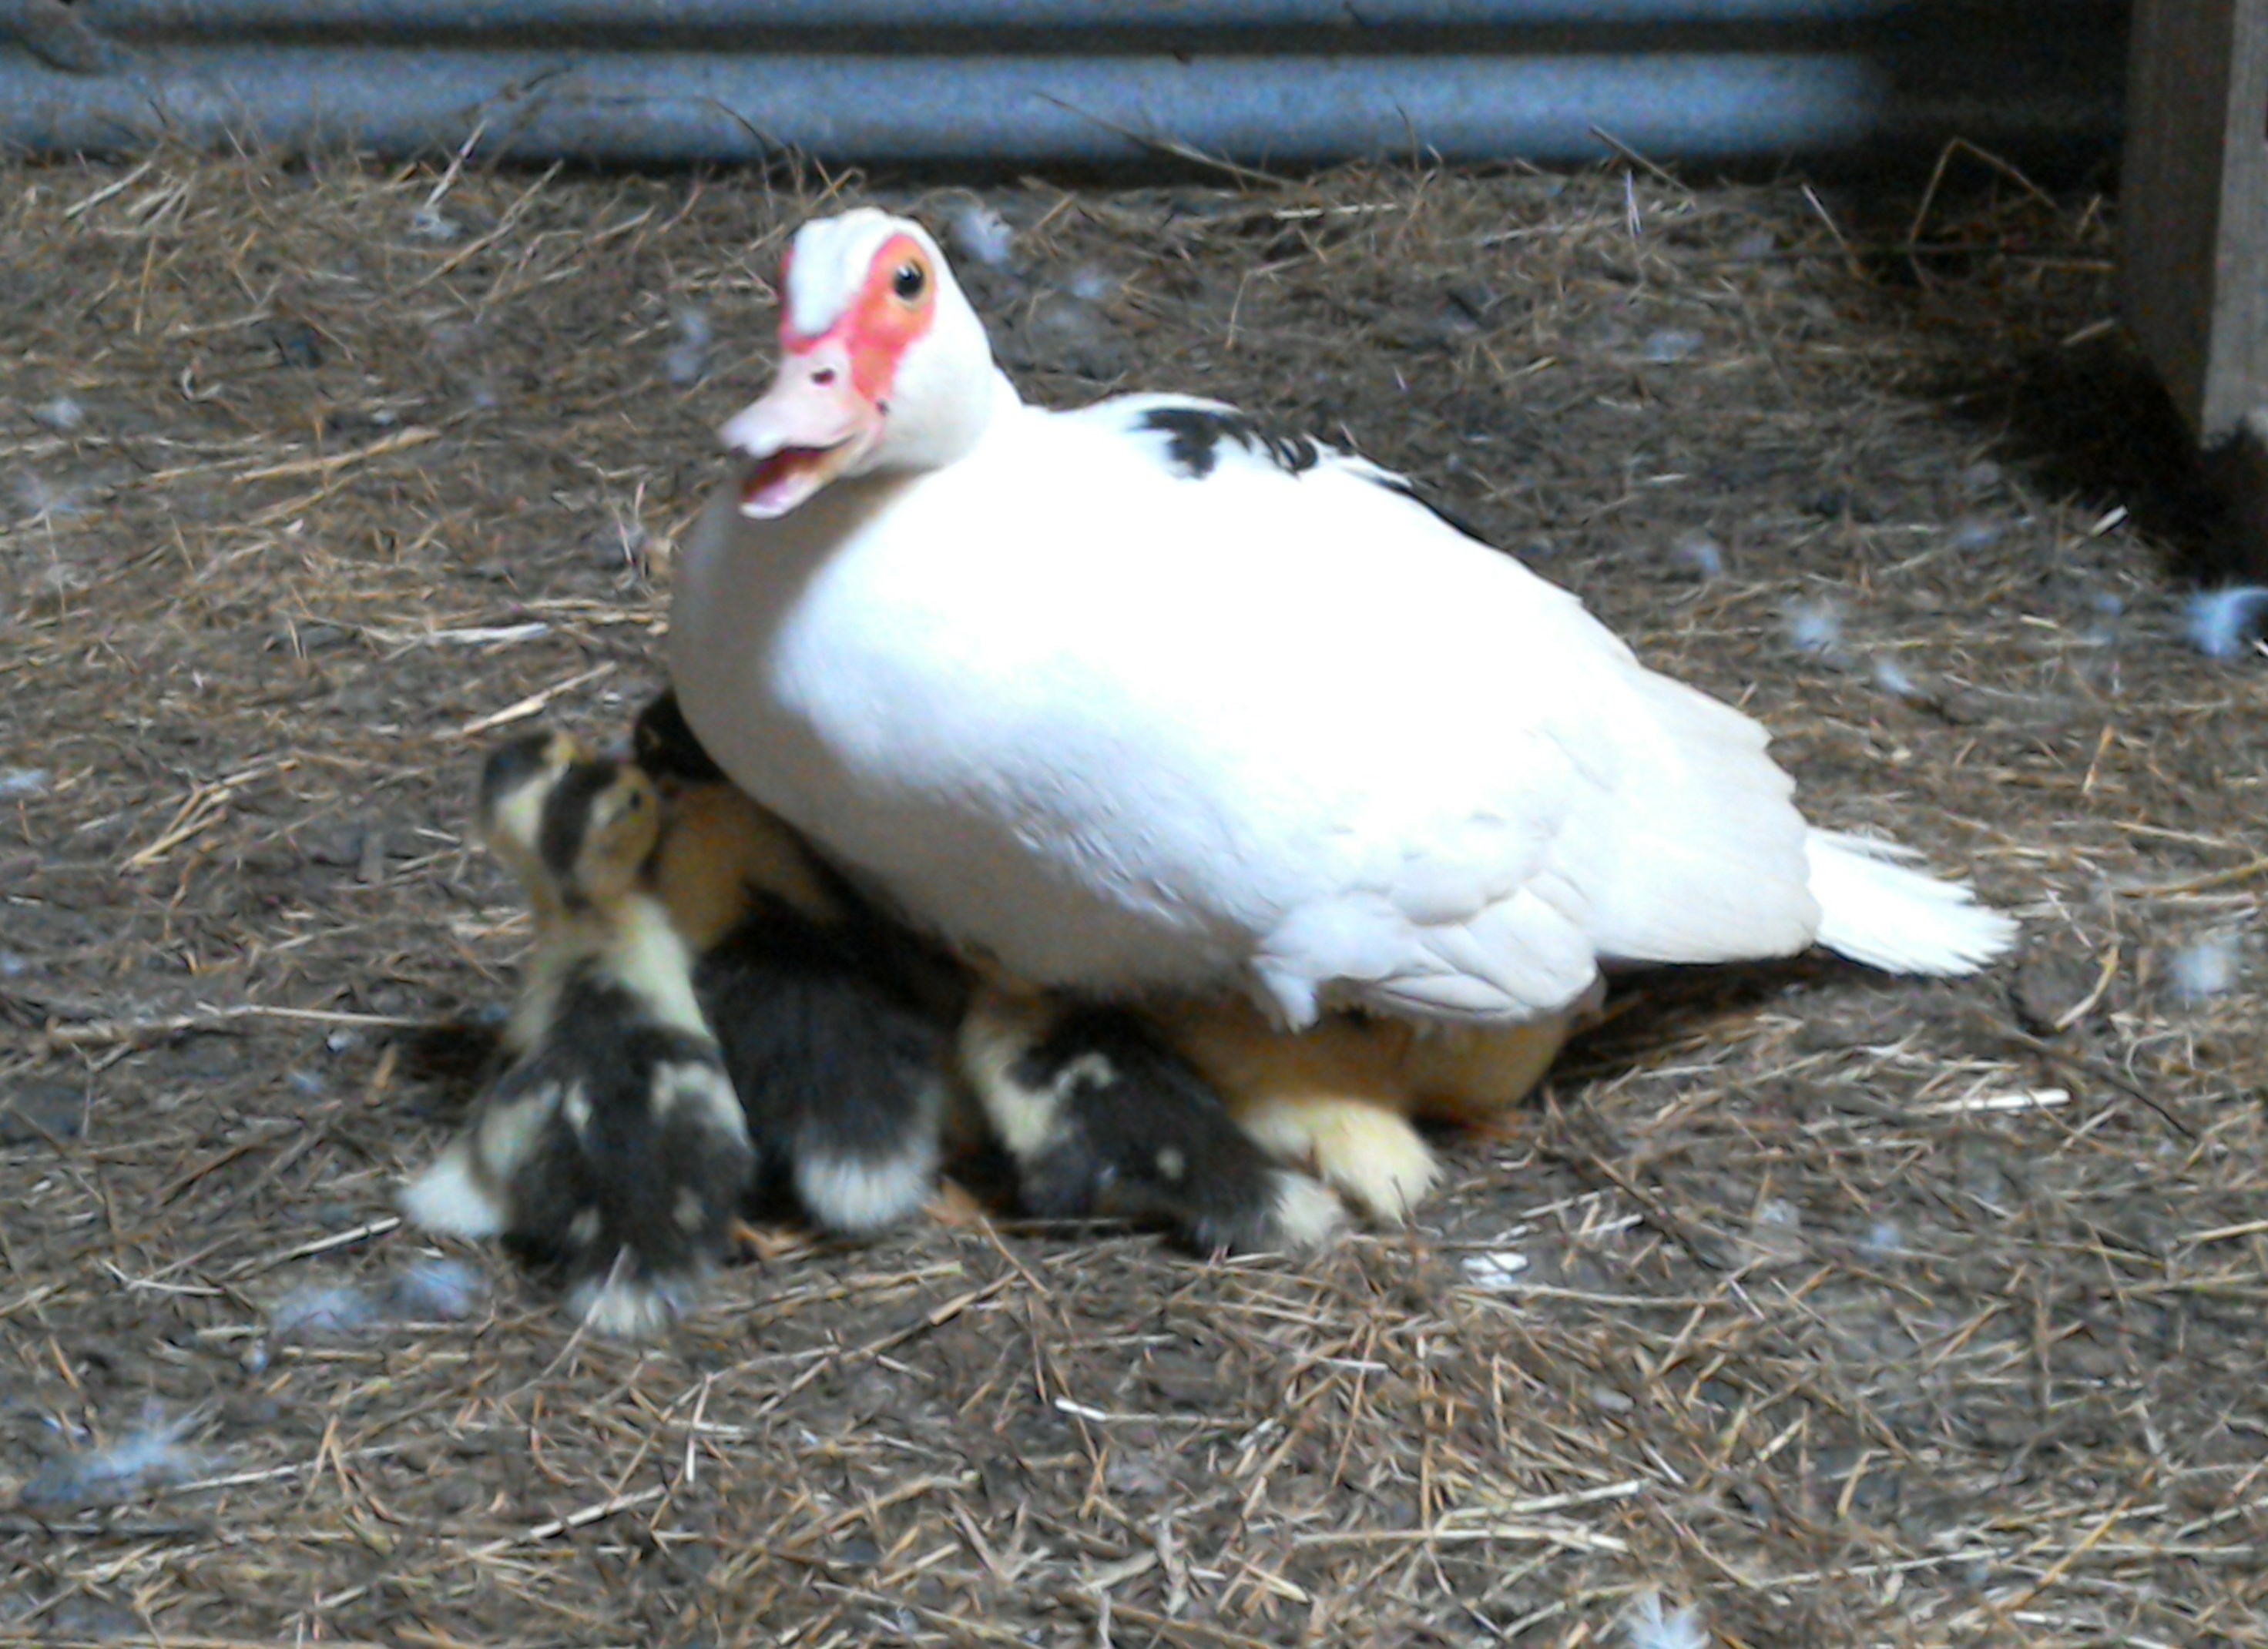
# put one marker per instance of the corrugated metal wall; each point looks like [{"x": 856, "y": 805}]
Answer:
[{"x": 1091, "y": 81}]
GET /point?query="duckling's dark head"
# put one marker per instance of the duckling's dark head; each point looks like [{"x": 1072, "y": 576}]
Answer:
[
  {"x": 600, "y": 825},
  {"x": 515, "y": 782},
  {"x": 665, "y": 746}
]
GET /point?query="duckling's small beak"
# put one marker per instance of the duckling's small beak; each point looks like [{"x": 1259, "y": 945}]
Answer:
[{"x": 808, "y": 427}]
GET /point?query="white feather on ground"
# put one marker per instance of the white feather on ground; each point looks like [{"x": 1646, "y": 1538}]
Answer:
[
  {"x": 148, "y": 1459},
  {"x": 2207, "y": 966},
  {"x": 2224, "y": 623},
  {"x": 1650, "y": 1629},
  {"x": 62, "y": 414},
  {"x": 425, "y": 1290},
  {"x": 981, "y": 235},
  {"x": 688, "y": 360},
  {"x": 1814, "y": 629},
  {"x": 1894, "y": 679},
  {"x": 1699, "y": 552}
]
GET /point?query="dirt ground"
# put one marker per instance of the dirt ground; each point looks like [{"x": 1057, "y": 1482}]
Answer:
[{"x": 1840, "y": 1309}]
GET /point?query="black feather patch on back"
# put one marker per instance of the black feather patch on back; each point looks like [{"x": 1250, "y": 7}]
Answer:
[
  {"x": 1193, "y": 434},
  {"x": 1439, "y": 511},
  {"x": 1139, "y": 1134}
]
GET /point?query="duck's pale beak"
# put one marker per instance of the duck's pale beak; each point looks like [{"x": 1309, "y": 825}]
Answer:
[{"x": 808, "y": 427}]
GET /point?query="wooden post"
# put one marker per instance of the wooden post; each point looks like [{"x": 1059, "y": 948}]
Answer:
[{"x": 2194, "y": 207}]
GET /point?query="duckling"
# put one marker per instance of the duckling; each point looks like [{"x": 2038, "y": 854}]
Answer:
[
  {"x": 832, "y": 1020},
  {"x": 614, "y": 1143},
  {"x": 1340, "y": 1096},
  {"x": 1105, "y": 1118}
]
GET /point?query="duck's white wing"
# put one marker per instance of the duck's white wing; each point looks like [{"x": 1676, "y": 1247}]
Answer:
[
  {"x": 1421, "y": 778},
  {"x": 1536, "y": 800}
]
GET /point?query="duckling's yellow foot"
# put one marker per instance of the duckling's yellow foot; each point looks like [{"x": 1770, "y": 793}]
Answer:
[{"x": 1370, "y": 1155}]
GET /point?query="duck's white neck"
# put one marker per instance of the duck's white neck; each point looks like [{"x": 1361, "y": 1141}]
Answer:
[{"x": 930, "y": 429}]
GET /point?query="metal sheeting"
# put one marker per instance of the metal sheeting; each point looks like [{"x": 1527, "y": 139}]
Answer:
[
  {"x": 367, "y": 18},
  {"x": 1090, "y": 81}
]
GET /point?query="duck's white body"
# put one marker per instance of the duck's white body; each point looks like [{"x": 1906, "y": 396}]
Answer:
[{"x": 1130, "y": 716}]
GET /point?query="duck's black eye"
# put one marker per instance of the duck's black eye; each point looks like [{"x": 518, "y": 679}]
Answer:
[{"x": 909, "y": 281}]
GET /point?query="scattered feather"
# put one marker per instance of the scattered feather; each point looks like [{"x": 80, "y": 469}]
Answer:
[
  {"x": 1092, "y": 285},
  {"x": 1650, "y": 1629},
  {"x": 981, "y": 235},
  {"x": 1701, "y": 553},
  {"x": 38, "y": 498},
  {"x": 1982, "y": 476},
  {"x": 438, "y": 1290},
  {"x": 1975, "y": 532},
  {"x": 1814, "y": 629},
  {"x": 59, "y": 578},
  {"x": 1775, "y": 1233},
  {"x": 423, "y": 1291},
  {"x": 1756, "y": 244},
  {"x": 1885, "y": 1237},
  {"x": 2207, "y": 966},
  {"x": 152, "y": 1458},
  {"x": 2224, "y": 623},
  {"x": 1892, "y": 678},
  {"x": 687, "y": 361},
  {"x": 321, "y": 1311},
  {"x": 62, "y": 414},
  {"x": 430, "y": 223},
  {"x": 2108, "y": 610},
  {"x": 1497, "y": 1272},
  {"x": 1670, "y": 345},
  {"x": 20, "y": 784}
]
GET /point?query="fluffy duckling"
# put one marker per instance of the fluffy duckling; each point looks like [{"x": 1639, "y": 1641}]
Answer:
[
  {"x": 1339, "y": 1097},
  {"x": 1104, "y": 1119},
  {"x": 613, "y": 1143},
  {"x": 833, "y": 1021}
]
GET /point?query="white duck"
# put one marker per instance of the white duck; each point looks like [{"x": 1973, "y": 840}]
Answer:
[{"x": 1138, "y": 699}]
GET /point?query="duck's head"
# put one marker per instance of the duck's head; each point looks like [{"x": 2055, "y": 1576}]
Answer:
[
  {"x": 883, "y": 364},
  {"x": 575, "y": 828}
]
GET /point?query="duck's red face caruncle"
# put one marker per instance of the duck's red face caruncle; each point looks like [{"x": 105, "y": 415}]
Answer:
[{"x": 840, "y": 347}]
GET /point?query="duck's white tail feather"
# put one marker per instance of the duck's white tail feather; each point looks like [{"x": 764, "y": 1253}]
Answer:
[{"x": 1873, "y": 910}]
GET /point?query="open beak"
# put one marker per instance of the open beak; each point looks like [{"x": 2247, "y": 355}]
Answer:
[{"x": 810, "y": 426}]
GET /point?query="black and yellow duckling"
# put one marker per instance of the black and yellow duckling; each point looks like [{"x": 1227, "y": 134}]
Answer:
[
  {"x": 1106, "y": 1119},
  {"x": 834, "y": 1022},
  {"x": 613, "y": 1145},
  {"x": 1342, "y": 1097}
]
